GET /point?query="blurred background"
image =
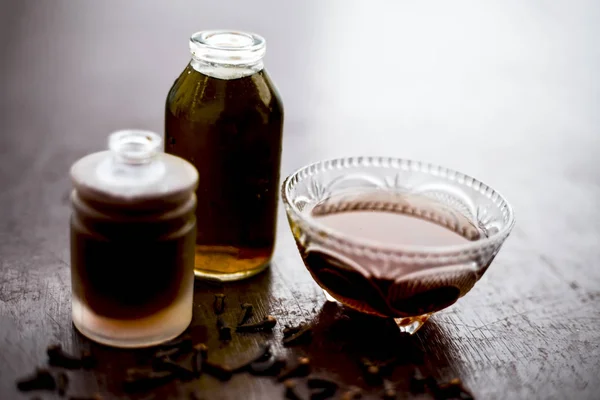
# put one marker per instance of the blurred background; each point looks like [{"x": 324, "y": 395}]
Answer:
[{"x": 507, "y": 91}]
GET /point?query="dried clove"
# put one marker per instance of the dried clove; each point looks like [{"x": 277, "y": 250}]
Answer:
[
  {"x": 291, "y": 330},
  {"x": 183, "y": 343},
  {"x": 263, "y": 354},
  {"x": 88, "y": 361},
  {"x": 386, "y": 367},
  {"x": 269, "y": 367},
  {"x": 224, "y": 330},
  {"x": 246, "y": 314},
  {"x": 352, "y": 393},
  {"x": 62, "y": 383},
  {"x": 266, "y": 324},
  {"x": 418, "y": 383},
  {"x": 178, "y": 369},
  {"x": 322, "y": 388},
  {"x": 197, "y": 361},
  {"x": 194, "y": 396},
  {"x": 58, "y": 358},
  {"x": 167, "y": 353},
  {"x": 41, "y": 380},
  {"x": 219, "y": 303},
  {"x": 302, "y": 368},
  {"x": 451, "y": 390},
  {"x": 94, "y": 397},
  {"x": 371, "y": 372},
  {"x": 218, "y": 371},
  {"x": 302, "y": 336},
  {"x": 290, "y": 390},
  {"x": 202, "y": 349},
  {"x": 389, "y": 391},
  {"x": 146, "y": 379}
]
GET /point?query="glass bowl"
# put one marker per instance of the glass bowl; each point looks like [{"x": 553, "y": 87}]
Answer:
[{"x": 374, "y": 274}]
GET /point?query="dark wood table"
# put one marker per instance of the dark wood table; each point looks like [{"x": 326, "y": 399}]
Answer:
[{"x": 508, "y": 93}]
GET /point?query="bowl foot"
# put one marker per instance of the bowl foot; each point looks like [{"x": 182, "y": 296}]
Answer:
[{"x": 411, "y": 325}]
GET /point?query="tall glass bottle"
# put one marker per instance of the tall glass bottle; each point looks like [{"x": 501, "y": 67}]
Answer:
[{"x": 224, "y": 115}]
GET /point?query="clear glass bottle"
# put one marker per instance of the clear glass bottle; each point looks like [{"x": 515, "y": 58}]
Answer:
[
  {"x": 133, "y": 231},
  {"x": 224, "y": 115}
]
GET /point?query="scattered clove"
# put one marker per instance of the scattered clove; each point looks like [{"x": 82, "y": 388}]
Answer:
[
  {"x": 371, "y": 372},
  {"x": 183, "y": 343},
  {"x": 451, "y": 390},
  {"x": 224, "y": 330},
  {"x": 41, "y": 380},
  {"x": 202, "y": 349},
  {"x": 302, "y": 368},
  {"x": 291, "y": 330},
  {"x": 197, "y": 361},
  {"x": 266, "y": 324},
  {"x": 246, "y": 314},
  {"x": 178, "y": 369},
  {"x": 194, "y": 396},
  {"x": 58, "y": 358},
  {"x": 270, "y": 367},
  {"x": 218, "y": 371},
  {"x": 219, "y": 303},
  {"x": 322, "y": 388},
  {"x": 146, "y": 379},
  {"x": 352, "y": 393},
  {"x": 386, "y": 367},
  {"x": 290, "y": 390},
  {"x": 94, "y": 397},
  {"x": 418, "y": 383},
  {"x": 173, "y": 352},
  {"x": 62, "y": 383},
  {"x": 302, "y": 336},
  {"x": 263, "y": 354},
  {"x": 389, "y": 391},
  {"x": 88, "y": 361}
]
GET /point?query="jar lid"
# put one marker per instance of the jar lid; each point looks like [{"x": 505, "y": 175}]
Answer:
[{"x": 133, "y": 171}]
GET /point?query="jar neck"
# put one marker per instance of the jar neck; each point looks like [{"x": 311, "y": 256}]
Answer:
[{"x": 133, "y": 160}]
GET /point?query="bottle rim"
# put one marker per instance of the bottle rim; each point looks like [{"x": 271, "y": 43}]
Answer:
[{"x": 227, "y": 47}]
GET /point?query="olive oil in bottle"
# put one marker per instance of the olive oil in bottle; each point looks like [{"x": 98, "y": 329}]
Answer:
[{"x": 224, "y": 115}]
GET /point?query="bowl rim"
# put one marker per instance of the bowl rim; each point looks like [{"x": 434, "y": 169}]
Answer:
[{"x": 310, "y": 224}]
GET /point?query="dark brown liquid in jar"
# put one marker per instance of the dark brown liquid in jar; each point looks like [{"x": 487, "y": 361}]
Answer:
[
  {"x": 133, "y": 231},
  {"x": 228, "y": 124}
]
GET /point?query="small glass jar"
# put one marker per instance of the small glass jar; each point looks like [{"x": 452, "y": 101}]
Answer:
[
  {"x": 133, "y": 230},
  {"x": 224, "y": 115}
]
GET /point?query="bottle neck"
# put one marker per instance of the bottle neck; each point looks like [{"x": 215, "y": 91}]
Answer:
[
  {"x": 226, "y": 72},
  {"x": 227, "y": 54}
]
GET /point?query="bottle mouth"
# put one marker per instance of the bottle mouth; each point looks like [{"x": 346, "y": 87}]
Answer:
[
  {"x": 227, "y": 47},
  {"x": 133, "y": 146}
]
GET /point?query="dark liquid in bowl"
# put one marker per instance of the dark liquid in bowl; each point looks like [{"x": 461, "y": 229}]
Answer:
[{"x": 388, "y": 220}]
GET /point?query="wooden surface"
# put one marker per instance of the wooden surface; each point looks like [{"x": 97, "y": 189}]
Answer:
[{"x": 505, "y": 91}]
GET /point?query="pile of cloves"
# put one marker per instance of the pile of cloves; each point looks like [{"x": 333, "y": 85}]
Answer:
[
  {"x": 181, "y": 359},
  {"x": 243, "y": 326}
]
